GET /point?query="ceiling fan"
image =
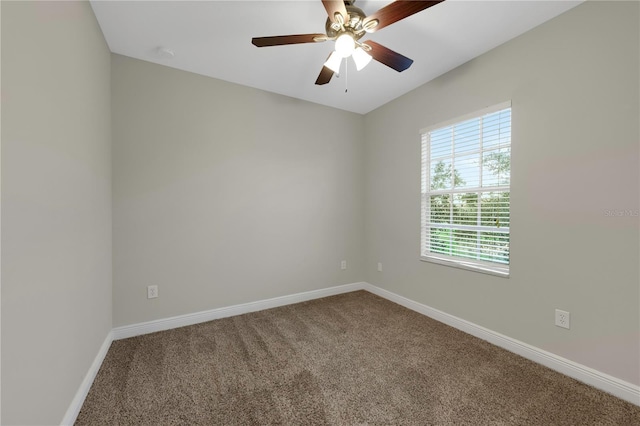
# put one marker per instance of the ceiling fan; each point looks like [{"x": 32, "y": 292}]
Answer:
[{"x": 346, "y": 25}]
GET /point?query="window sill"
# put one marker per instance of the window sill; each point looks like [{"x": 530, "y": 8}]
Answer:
[{"x": 469, "y": 265}]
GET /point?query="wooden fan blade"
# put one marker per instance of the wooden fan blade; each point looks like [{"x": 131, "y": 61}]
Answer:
[
  {"x": 388, "y": 57},
  {"x": 396, "y": 11},
  {"x": 325, "y": 75},
  {"x": 288, "y": 39},
  {"x": 333, "y": 6}
]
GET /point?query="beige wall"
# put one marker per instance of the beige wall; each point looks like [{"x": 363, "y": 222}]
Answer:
[
  {"x": 56, "y": 205},
  {"x": 574, "y": 86},
  {"x": 225, "y": 194}
]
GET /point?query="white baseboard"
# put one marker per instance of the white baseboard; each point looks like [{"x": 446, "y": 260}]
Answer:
[
  {"x": 619, "y": 388},
  {"x": 76, "y": 404},
  {"x": 213, "y": 314}
]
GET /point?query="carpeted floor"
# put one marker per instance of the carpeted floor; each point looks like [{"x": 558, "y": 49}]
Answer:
[{"x": 342, "y": 360}]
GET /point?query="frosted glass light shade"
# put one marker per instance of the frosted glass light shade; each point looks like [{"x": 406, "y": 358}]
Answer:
[
  {"x": 345, "y": 45},
  {"x": 361, "y": 58},
  {"x": 334, "y": 62}
]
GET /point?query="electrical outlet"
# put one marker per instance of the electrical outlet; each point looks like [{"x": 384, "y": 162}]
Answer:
[
  {"x": 379, "y": 266},
  {"x": 343, "y": 265},
  {"x": 152, "y": 291},
  {"x": 563, "y": 319}
]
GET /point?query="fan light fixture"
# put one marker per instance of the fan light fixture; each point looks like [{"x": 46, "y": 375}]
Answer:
[
  {"x": 345, "y": 47},
  {"x": 334, "y": 62},
  {"x": 361, "y": 58}
]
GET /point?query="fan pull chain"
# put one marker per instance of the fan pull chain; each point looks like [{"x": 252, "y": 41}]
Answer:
[{"x": 346, "y": 75}]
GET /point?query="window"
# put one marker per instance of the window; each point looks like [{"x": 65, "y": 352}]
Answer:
[{"x": 466, "y": 173}]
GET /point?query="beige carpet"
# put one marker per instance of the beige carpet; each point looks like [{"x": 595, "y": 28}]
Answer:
[{"x": 342, "y": 360}]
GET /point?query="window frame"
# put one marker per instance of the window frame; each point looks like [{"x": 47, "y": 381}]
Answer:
[{"x": 477, "y": 265}]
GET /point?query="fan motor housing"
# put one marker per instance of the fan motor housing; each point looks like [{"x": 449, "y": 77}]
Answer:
[{"x": 353, "y": 23}]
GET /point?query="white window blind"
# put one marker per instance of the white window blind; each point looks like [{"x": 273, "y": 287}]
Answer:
[{"x": 466, "y": 174}]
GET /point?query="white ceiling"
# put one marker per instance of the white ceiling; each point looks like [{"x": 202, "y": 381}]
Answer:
[{"x": 213, "y": 38}]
